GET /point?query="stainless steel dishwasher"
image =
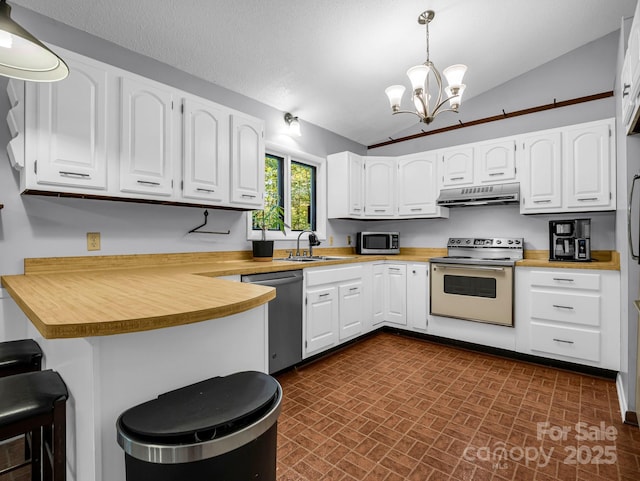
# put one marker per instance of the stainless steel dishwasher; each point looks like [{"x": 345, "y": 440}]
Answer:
[{"x": 285, "y": 317}]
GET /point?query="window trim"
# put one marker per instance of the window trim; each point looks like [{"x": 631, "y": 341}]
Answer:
[{"x": 320, "y": 164}]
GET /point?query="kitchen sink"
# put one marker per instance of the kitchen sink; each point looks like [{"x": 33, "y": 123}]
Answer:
[{"x": 313, "y": 258}]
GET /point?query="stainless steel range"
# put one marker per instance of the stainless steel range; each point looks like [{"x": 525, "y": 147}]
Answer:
[{"x": 475, "y": 280}]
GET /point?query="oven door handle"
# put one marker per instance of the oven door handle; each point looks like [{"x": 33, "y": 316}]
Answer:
[{"x": 475, "y": 268}]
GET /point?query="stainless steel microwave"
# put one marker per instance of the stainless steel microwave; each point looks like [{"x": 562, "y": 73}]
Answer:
[{"x": 378, "y": 243}]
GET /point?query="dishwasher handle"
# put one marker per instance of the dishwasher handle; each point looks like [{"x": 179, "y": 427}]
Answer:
[{"x": 276, "y": 282}]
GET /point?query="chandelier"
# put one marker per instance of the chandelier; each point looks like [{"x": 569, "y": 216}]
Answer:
[{"x": 420, "y": 77}]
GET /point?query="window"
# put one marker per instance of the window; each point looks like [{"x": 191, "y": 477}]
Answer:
[{"x": 294, "y": 194}]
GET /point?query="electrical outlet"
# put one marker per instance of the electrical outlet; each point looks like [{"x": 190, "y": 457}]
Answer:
[
  {"x": 330, "y": 240},
  {"x": 348, "y": 240},
  {"x": 93, "y": 241}
]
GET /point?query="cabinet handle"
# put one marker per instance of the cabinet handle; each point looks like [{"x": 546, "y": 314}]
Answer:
[
  {"x": 200, "y": 189},
  {"x": 587, "y": 199},
  {"x": 416, "y": 209},
  {"x": 353, "y": 288},
  {"x": 562, "y": 307},
  {"x": 566, "y": 279},
  {"x": 379, "y": 210},
  {"x": 625, "y": 90},
  {"x": 562, "y": 340},
  {"x": 73, "y": 174},
  {"x": 394, "y": 268},
  {"x": 456, "y": 178},
  {"x": 495, "y": 173},
  {"x": 249, "y": 196},
  {"x": 545, "y": 201},
  {"x": 356, "y": 210},
  {"x": 148, "y": 182},
  {"x": 324, "y": 295}
]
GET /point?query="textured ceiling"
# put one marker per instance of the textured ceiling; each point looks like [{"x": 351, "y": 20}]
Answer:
[{"x": 329, "y": 61}]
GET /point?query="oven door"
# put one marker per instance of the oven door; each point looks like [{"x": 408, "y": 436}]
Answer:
[{"x": 472, "y": 292}]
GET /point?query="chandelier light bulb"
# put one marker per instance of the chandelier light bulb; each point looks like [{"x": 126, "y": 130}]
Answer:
[
  {"x": 454, "y": 74},
  {"x": 395, "y": 93}
]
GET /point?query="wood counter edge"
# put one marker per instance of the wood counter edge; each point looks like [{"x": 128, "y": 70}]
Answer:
[
  {"x": 601, "y": 260},
  {"x": 126, "y": 326}
]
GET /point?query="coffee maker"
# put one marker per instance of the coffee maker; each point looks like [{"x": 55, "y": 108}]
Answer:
[{"x": 570, "y": 240}]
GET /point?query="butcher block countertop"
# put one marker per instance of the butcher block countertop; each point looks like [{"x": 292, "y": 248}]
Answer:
[{"x": 70, "y": 297}]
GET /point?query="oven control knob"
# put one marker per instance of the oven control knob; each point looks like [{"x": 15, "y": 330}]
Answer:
[
  {"x": 510, "y": 241},
  {"x": 498, "y": 241},
  {"x": 468, "y": 241},
  {"x": 517, "y": 242}
]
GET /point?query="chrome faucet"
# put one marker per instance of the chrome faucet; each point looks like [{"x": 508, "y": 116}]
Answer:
[{"x": 313, "y": 241}]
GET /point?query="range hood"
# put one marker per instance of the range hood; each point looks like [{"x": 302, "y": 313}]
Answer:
[{"x": 499, "y": 194}]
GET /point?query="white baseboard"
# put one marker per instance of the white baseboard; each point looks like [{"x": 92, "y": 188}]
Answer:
[{"x": 622, "y": 398}]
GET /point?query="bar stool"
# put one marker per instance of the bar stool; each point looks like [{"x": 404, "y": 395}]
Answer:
[
  {"x": 19, "y": 356},
  {"x": 34, "y": 403}
]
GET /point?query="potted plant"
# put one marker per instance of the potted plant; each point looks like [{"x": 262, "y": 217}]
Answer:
[{"x": 265, "y": 218}]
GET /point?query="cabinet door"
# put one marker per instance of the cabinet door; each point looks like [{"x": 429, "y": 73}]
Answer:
[
  {"x": 457, "y": 167},
  {"x": 587, "y": 163},
  {"x": 322, "y": 319},
  {"x": 395, "y": 294},
  {"x": 206, "y": 151},
  {"x": 541, "y": 179},
  {"x": 418, "y": 296},
  {"x": 380, "y": 181},
  {"x": 351, "y": 308},
  {"x": 146, "y": 165},
  {"x": 247, "y": 161},
  {"x": 356, "y": 184},
  {"x": 627, "y": 88},
  {"x": 72, "y": 128},
  {"x": 378, "y": 289},
  {"x": 496, "y": 161},
  {"x": 417, "y": 185}
]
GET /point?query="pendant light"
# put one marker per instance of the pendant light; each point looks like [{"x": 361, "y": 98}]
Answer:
[
  {"x": 23, "y": 56},
  {"x": 421, "y": 86}
]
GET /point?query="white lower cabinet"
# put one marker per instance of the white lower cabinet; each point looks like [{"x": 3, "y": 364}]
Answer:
[
  {"x": 395, "y": 294},
  {"x": 571, "y": 315},
  {"x": 377, "y": 286},
  {"x": 334, "y": 307},
  {"x": 418, "y": 296}
]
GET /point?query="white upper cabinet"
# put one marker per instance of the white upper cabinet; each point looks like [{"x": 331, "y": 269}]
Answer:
[
  {"x": 345, "y": 188},
  {"x": 587, "y": 160},
  {"x": 541, "y": 179},
  {"x": 571, "y": 169},
  {"x": 147, "y": 138},
  {"x": 417, "y": 185},
  {"x": 380, "y": 186},
  {"x": 69, "y": 146},
  {"x": 457, "y": 166},
  {"x": 496, "y": 161},
  {"x": 630, "y": 77},
  {"x": 206, "y": 151},
  {"x": 107, "y": 133},
  {"x": 247, "y": 161}
]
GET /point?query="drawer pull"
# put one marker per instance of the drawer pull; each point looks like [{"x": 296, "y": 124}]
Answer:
[
  {"x": 562, "y": 307},
  {"x": 353, "y": 288},
  {"x": 544, "y": 201},
  {"x": 379, "y": 210},
  {"x": 148, "y": 182},
  {"x": 200, "y": 189},
  {"x": 394, "y": 268},
  {"x": 456, "y": 178},
  {"x": 588, "y": 199},
  {"x": 248, "y": 196},
  {"x": 417, "y": 209},
  {"x": 74, "y": 174},
  {"x": 493, "y": 174},
  {"x": 324, "y": 295},
  {"x": 565, "y": 279},
  {"x": 562, "y": 340}
]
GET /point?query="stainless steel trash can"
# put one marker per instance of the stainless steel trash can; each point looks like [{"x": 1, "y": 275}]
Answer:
[{"x": 223, "y": 428}]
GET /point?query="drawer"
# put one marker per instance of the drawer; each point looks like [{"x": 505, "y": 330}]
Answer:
[
  {"x": 576, "y": 308},
  {"x": 566, "y": 341},
  {"x": 316, "y": 277},
  {"x": 567, "y": 280}
]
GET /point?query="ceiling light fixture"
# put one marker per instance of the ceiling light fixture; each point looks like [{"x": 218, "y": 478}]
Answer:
[
  {"x": 294, "y": 124},
  {"x": 420, "y": 76},
  {"x": 23, "y": 56}
]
